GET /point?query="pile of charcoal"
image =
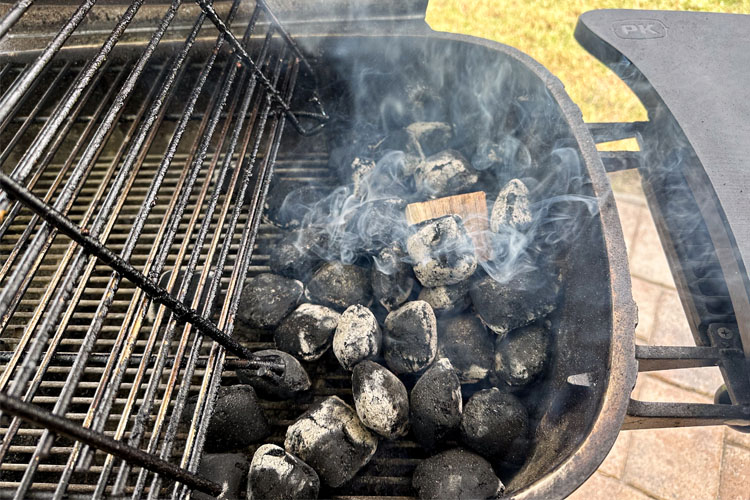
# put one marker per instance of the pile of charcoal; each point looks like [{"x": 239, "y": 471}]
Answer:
[{"x": 442, "y": 348}]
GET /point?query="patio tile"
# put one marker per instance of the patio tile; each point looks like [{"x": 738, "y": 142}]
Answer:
[
  {"x": 734, "y": 471},
  {"x": 646, "y": 296},
  {"x": 602, "y": 487},
  {"x": 647, "y": 259}
]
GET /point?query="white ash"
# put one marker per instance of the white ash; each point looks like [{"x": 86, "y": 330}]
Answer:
[
  {"x": 267, "y": 298},
  {"x": 522, "y": 355},
  {"x": 442, "y": 252},
  {"x": 339, "y": 286},
  {"x": 307, "y": 332},
  {"x": 492, "y": 420},
  {"x": 511, "y": 208},
  {"x": 298, "y": 253},
  {"x": 227, "y": 469},
  {"x": 278, "y": 475},
  {"x": 447, "y": 299},
  {"x": 237, "y": 422},
  {"x": 410, "y": 340},
  {"x": 293, "y": 382},
  {"x": 436, "y": 404},
  {"x": 381, "y": 400},
  {"x": 331, "y": 439},
  {"x": 392, "y": 279},
  {"x": 445, "y": 174},
  {"x": 432, "y": 137},
  {"x": 361, "y": 168},
  {"x": 456, "y": 474},
  {"x": 468, "y": 345},
  {"x": 522, "y": 300},
  {"x": 358, "y": 336}
]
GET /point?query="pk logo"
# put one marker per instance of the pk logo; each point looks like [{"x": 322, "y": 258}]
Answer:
[{"x": 640, "y": 29}]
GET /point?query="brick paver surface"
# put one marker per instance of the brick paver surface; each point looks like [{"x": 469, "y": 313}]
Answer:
[{"x": 667, "y": 464}]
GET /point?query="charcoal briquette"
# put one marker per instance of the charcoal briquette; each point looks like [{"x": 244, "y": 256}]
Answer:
[
  {"x": 227, "y": 469},
  {"x": 445, "y": 174},
  {"x": 238, "y": 419},
  {"x": 267, "y": 298},
  {"x": 410, "y": 338},
  {"x": 293, "y": 382},
  {"x": 307, "y": 332},
  {"x": 456, "y": 474},
  {"x": 380, "y": 399},
  {"x": 442, "y": 252},
  {"x": 468, "y": 345},
  {"x": 392, "y": 278},
  {"x": 435, "y": 404},
  {"x": 447, "y": 299},
  {"x": 432, "y": 137},
  {"x": 511, "y": 208},
  {"x": 288, "y": 201},
  {"x": 339, "y": 286},
  {"x": 521, "y": 355},
  {"x": 525, "y": 298},
  {"x": 278, "y": 475},
  {"x": 299, "y": 253},
  {"x": 332, "y": 440},
  {"x": 492, "y": 420},
  {"x": 358, "y": 336}
]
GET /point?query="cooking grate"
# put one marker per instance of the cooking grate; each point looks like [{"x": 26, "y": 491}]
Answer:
[{"x": 131, "y": 159}]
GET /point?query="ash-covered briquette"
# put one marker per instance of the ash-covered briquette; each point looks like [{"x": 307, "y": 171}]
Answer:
[
  {"x": 445, "y": 174},
  {"x": 492, "y": 420},
  {"x": 375, "y": 224},
  {"x": 381, "y": 400},
  {"x": 432, "y": 137},
  {"x": 267, "y": 298},
  {"x": 278, "y": 475},
  {"x": 505, "y": 157},
  {"x": 358, "y": 336},
  {"x": 435, "y": 404},
  {"x": 339, "y": 286},
  {"x": 331, "y": 439},
  {"x": 238, "y": 419},
  {"x": 468, "y": 345},
  {"x": 511, "y": 208},
  {"x": 442, "y": 252},
  {"x": 227, "y": 469},
  {"x": 392, "y": 278},
  {"x": 518, "y": 302},
  {"x": 360, "y": 169},
  {"x": 288, "y": 201},
  {"x": 298, "y": 253},
  {"x": 456, "y": 474},
  {"x": 410, "y": 339},
  {"x": 293, "y": 382},
  {"x": 447, "y": 299},
  {"x": 522, "y": 355},
  {"x": 307, "y": 332}
]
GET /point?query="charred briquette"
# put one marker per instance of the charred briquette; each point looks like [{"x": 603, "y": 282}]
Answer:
[
  {"x": 511, "y": 208},
  {"x": 238, "y": 419},
  {"x": 432, "y": 137},
  {"x": 410, "y": 340},
  {"x": 377, "y": 224},
  {"x": 518, "y": 302},
  {"x": 442, "y": 252},
  {"x": 381, "y": 400},
  {"x": 267, "y": 298},
  {"x": 468, "y": 345},
  {"x": 503, "y": 158},
  {"x": 457, "y": 474},
  {"x": 435, "y": 404},
  {"x": 358, "y": 336},
  {"x": 227, "y": 469},
  {"x": 521, "y": 356},
  {"x": 278, "y": 475},
  {"x": 288, "y": 201},
  {"x": 492, "y": 421},
  {"x": 392, "y": 278},
  {"x": 339, "y": 286},
  {"x": 331, "y": 438},
  {"x": 293, "y": 382},
  {"x": 447, "y": 299},
  {"x": 360, "y": 169},
  {"x": 298, "y": 253},
  {"x": 307, "y": 332},
  {"x": 445, "y": 174}
]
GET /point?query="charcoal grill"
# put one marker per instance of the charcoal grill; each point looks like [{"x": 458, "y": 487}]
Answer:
[{"x": 123, "y": 136}]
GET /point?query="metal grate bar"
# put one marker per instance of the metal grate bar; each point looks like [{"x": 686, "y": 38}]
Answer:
[{"x": 13, "y": 15}]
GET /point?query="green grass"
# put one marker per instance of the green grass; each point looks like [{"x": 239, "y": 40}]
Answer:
[{"x": 544, "y": 30}]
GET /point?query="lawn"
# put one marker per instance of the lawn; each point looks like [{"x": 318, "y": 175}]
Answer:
[{"x": 544, "y": 30}]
